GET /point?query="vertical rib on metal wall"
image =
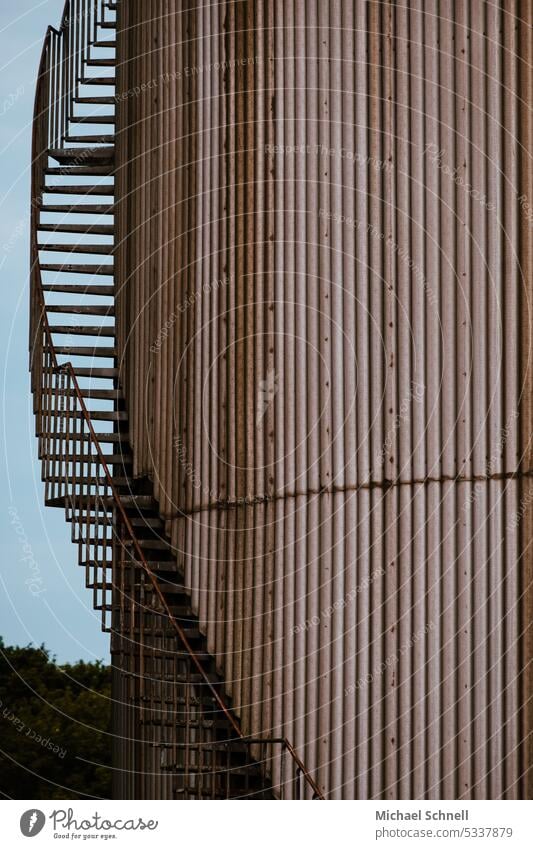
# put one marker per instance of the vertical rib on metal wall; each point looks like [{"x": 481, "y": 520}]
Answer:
[
  {"x": 522, "y": 78},
  {"x": 320, "y": 328}
]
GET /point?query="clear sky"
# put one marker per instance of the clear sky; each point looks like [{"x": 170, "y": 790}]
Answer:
[{"x": 42, "y": 590}]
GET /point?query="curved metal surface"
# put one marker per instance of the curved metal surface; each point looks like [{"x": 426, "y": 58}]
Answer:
[{"x": 317, "y": 327}]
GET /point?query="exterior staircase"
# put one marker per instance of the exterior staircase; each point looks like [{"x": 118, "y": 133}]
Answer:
[{"x": 175, "y": 733}]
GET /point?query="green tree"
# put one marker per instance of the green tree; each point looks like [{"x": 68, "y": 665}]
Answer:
[{"x": 55, "y": 738}]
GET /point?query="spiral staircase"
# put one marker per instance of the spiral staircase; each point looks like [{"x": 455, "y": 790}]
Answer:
[{"x": 175, "y": 734}]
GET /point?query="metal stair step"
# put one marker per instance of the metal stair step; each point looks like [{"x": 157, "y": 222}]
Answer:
[
  {"x": 90, "y": 138},
  {"x": 77, "y": 458},
  {"x": 129, "y": 501},
  {"x": 96, "y": 81},
  {"x": 87, "y": 190},
  {"x": 162, "y": 679},
  {"x": 146, "y": 535},
  {"x": 222, "y": 724},
  {"x": 147, "y": 521},
  {"x": 193, "y": 793},
  {"x": 182, "y": 612},
  {"x": 82, "y": 155},
  {"x": 154, "y": 721},
  {"x": 94, "y": 480},
  {"x": 104, "y": 438},
  {"x": 93, "y": 119},
  {"x": 78, "y": 248},
  {"x": 80, "y": 208},
  {"x": 102, "y": 100},
  {"x": 80, "y": 289},
  {"x": 110, "y": 373},
  {"x": 172, "y": 588},
  {"x": 111, "y": 459},
  {"x": 251, "y": 772},
  {"x": 102, "y": 394},
  {"x": 92, "y": 535},
  {"x": 75, "y": 309},
  {"x": 90, "y": 502},
  {"x": 83, "y": 330},
  {"x": 101, "y": 63},
  {"x": 235, "y": 747},
  {"x": 106, "y": 416},
  {"x": 154, "y": 545},
  {"x": 83, "y": 351},
  {"x": 111, "y": 43},
  {"x": 83, "y": 229},
  {"x": 166, "y": 569},
  {"x": 78, "y": 269},
  {"x": 80, "y": 171},
  {"x": 108, "y": 24}
]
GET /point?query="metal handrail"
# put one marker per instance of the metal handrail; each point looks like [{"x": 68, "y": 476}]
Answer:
[{"x": 41, "y": 343}]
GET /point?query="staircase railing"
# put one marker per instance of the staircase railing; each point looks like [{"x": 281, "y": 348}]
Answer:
[
  {"x": 68, "y": 49},
  {"x": 75, "y": 471}
]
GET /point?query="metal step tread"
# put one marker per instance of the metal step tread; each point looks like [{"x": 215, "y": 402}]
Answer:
[
  {"x": 103, "y": 438},
  {"x": 81, "y": 229},
  {"x": 93, "y": 119},
  {"x": 80, "y": 289},
  {"x": 155, "y": 544},
  {"x": 102, "y": 394},
  {"x": 98, "y": 372},
  {"x": 83, "y": 330},
  {"x": 96, "y": 80},
  {"x": 111, "y": 459},
  {"x": 93, "y": 480},
  {"x": 82, "y": 155},
  {"x": 80, "y": 171},
  {"x": 107, "y": 139},
  {"x": 76, "y": 309},
  {"x": 80, "y": 208},
  {"x": 251, "y": 771},
  {"x": 78, "y": 248},
  {"x": 101, "y": 100},
  {"x": 87, "y": 190},
  {"x": 83, "y": 351},
  {"x": 107, "y": 416},
  {"x": 152, "y": 522},
  {"x": 77, "y": 269},
  {"x": 111, "y": 62},
  {"x": 88, "y": 502}
]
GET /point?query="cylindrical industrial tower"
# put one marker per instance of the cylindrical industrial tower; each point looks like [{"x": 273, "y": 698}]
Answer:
[
  {"x": 320, "y": 299},
  {"x": 321, "y": 366}
]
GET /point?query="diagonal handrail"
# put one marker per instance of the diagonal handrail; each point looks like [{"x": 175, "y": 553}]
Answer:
[
  {"x": 42, "y": 344},
  {"x": 68, "y": 368}
]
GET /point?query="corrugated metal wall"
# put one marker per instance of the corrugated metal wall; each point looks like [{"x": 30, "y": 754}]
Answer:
[
  {"x": 320, "y": 316},
  {"x": 525, "y": 134}
]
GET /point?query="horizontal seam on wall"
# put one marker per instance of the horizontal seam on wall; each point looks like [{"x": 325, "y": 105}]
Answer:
[{"x": 332, "y": 490}]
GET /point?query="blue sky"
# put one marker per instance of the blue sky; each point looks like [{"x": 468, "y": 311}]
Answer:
[{"x": 42, "y": 591}]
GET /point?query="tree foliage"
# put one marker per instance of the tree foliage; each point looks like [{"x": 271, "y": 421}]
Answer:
[{"x": 55, "y": 738}]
